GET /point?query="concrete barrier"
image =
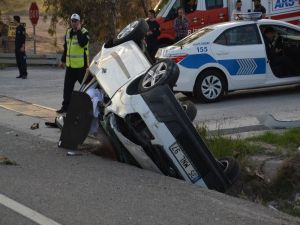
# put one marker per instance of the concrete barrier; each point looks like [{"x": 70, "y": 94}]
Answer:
[{"x": 47, "y": 59}]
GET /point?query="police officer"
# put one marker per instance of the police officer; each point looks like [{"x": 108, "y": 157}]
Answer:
[
  {"x": 280, "y": 64},
  {"x": 75, "y": 58},
  {"x": 20, "y": 48},
  {"x": 152, "y": 34}
]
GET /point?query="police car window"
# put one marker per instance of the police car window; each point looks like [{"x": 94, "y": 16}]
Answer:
[
  {"x": 211, "y": 4},
  {"x": 241, "y": 35},
  {"x": 286, "y": 30},
  {"x": 189, "y": 39},
  {"x": 284, "y": 36}
]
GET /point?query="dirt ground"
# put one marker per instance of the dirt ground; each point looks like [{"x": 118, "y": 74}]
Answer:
[{"x": 45, "y": 43}]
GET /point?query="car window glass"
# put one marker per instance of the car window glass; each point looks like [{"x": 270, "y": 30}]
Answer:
[
  {"x": 211, "y": 4},
  {"x": 173, "y": 11},
  {"x": 281, "y": 30},
  {"x": 285, "y": 37},
  {"x": 241, "y": 35},
  {"x": 189, "y": 39}
]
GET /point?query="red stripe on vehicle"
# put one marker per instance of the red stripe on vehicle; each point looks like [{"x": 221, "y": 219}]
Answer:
[{"x": 286, "y": 15}]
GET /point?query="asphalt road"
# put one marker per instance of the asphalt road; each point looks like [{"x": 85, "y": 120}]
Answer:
[
  {"x": 282, "y": 102},
  {"x": 44, "y": 86},
  {"x": 91, "y": 190}
]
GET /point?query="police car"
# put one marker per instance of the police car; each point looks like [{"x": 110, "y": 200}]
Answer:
[{"x": 231, "y": 56}]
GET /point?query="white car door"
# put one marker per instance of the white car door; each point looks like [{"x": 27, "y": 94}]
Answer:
[{"x": 241, "y": 52}]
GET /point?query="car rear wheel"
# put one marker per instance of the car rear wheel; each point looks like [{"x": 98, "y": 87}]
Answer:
[
  {"x": 210, "y": 86},
  {"x": 231, "y": 168},
  {"x": 160, "y": 73},
  {"x": 135, "y": 31}
]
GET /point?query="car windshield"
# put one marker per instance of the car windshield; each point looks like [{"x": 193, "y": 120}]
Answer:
[
  {"x": 162, "y": 6},
  {"x": 192, "y": 37}
]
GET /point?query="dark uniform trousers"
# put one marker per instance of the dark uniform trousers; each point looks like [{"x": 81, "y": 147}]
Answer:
[
  {"x": 21, "y": 62},
  {"x": 72, "y": 75}
]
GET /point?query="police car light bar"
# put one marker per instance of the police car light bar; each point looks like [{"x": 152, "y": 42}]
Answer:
[{"x": 250, "y": 16}]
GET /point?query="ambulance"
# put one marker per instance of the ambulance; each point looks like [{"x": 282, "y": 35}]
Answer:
[{"x": 201, "y": 13}]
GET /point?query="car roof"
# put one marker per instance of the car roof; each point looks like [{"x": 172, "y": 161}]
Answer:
[{"x": 226, "y": 25}]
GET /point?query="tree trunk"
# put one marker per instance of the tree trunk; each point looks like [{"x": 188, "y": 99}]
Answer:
[
  {"x": 111, "y": 17},
  {"x": 144, "y": 5},
  {"x": 94, "y": 48}
]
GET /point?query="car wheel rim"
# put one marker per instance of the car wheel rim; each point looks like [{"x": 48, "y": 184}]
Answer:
[
  {"x": 129, "y": 28},
  {"x": 154, "y": 75},
  {"x": 211, "y": 87}
]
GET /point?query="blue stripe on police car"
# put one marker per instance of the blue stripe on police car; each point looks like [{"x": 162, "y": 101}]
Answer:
[{"x": 251, "y": 66}]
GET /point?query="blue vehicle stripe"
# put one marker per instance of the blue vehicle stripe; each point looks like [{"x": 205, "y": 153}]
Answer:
[
  {"x": 235, "y": 67},
  {"x": 196, "y": 61}
]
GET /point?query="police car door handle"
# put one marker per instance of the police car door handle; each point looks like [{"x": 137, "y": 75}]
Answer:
[{"x": 222, "y": 53}]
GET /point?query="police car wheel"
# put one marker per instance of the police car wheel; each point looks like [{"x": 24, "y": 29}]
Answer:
[
  {"x": 135, "y": 31},
  {"x": 189, "y": 108},
  {"x": 231, "y": 168},
  {"x": 163, "y": 72},
  {"x": 210, "y": 86}
]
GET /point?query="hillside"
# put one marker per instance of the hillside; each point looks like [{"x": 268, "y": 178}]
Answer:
[
  {"x": 45, "y": 42},
  {"x": 20, "y": 7}
]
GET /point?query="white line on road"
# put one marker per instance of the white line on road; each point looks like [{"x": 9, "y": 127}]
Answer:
[
  {"x": 44, "y": 107},
  {"x": 26, "y": 212}
]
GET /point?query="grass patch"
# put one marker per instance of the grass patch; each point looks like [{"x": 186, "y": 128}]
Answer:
[
  {"x": 222, "y": 146},
  {"x": 3, "y": 66},
  {"x": 289, "y": 140},
  {"x": 281, "y": 191}
]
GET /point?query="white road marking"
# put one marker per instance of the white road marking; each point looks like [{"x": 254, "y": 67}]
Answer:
[
  {"x": 44, "y": 107},
  {"x": 26, "y": 212}
]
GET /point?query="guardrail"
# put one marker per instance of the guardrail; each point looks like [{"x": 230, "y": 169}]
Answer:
[{"x": 46, "y": 59}]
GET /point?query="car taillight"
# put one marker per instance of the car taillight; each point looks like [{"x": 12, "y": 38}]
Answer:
[{"x": 178, "y": 58}]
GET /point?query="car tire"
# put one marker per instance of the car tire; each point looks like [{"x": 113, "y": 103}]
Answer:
[
  {"x": 210, "y": 86},
  {"x": 189, "y": 108},
  {"x": 134, "y": 31},
  {"x": 163, "y": 72},
  {"x": 231, "y": 168}
]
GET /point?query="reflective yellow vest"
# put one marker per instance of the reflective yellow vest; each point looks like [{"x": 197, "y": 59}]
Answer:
[{"x": 75, "y": 53}]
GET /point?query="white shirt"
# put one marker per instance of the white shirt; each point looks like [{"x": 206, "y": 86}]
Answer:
[{"x": 234, "y": 15}]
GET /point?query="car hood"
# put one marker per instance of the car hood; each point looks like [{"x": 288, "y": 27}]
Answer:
[{"x": 115, "y": 66}]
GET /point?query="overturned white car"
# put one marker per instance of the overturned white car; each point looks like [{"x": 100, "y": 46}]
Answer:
[{"x": 134, "y": 103}]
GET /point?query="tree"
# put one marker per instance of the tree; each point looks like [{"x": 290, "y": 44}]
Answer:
[{"x": 102, "y": 18}]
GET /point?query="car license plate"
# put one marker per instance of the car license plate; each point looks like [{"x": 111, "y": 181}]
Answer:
[{"x": 185, "y": 163}]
